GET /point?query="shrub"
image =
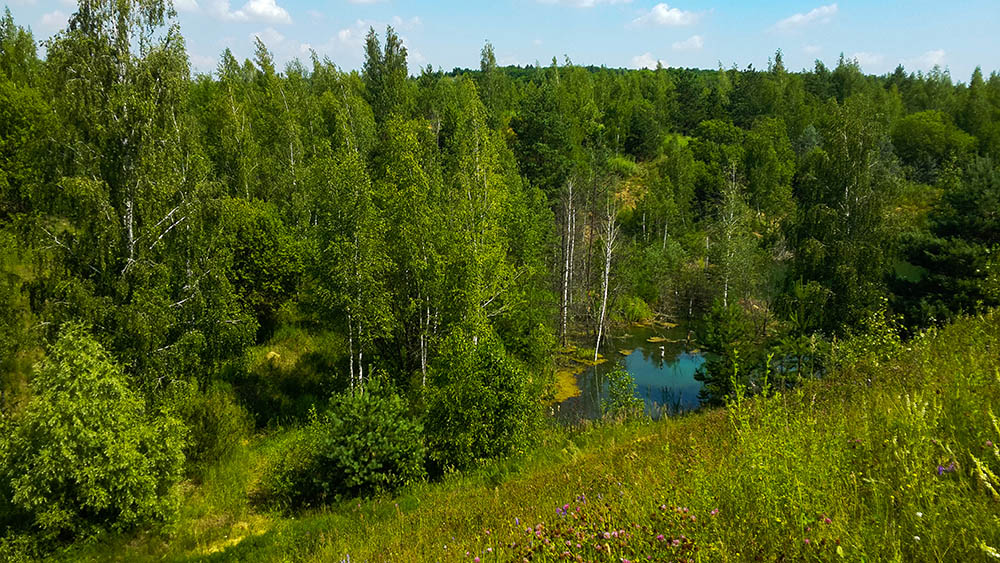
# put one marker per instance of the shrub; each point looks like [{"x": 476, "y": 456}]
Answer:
[
  {"x": 636, "y": 310},
  {"x": 85, "y": 455},
  {"x": 621, "y": 403},
  {"x": 362, "y": 444},
  {"x": 217, "y": 425},
  {"x": 482, "y": 404}
]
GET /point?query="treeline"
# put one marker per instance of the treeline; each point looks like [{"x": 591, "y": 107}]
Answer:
[{"x": 441, "y": 235}]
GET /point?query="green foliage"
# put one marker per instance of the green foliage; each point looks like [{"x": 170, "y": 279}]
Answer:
[
  {"x": 635, "y": 310},
  {"x": 481, "y": 404},
  {"x": 621, "y": 404},
  {"x": 86, "y": 454},
  {"x": 726, "y": 335},
  {"x": 217, "y": 425},
  {"x": 361, "y": 444},
  {"x": 927, "y": 141}
]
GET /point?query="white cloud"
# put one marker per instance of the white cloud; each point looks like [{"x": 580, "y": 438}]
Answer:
[
  {"x": 868, "y": 59},
  {"x": 269, "y": 36},
  {"x": 202, "y": 63},
  {"x": 646, "y": 60},
  {"x": 812, "y": 49},
  {"x": 536, "y": 42},
  {"x": 823, "y": 14},
  {"x": 930, "y": 59},
  {"x": 584, "y": 3},
  {"x": 406, "y": 24},
  {"x": 54, "y": 20},
  {"x": 267, "y": 11},
  {"x": 692, "y": 43},
  {"x": 186, "y": 5},
  {"x": 315, "y": 15},
  {"x": 662, "y": 14}
]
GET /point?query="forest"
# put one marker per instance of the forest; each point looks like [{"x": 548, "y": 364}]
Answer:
[{"x": 360, "y": 281}]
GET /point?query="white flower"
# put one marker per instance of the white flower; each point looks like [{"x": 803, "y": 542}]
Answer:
[
  {"x": 916, "y": 538},
  {"x": 920, "y": 515}
]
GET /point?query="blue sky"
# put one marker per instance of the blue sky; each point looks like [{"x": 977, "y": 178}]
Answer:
[{"x": 957, "y": 35}]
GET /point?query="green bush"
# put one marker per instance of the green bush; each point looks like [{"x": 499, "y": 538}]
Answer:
[
  {"x": 621, "y": 403},
  {"x": 482, "y": 404},
  {"x": 217, "y": 425},
  {"x": 85, "y": 454},
  {"x": 362, "y": 444},
  {"x": 636, "y": 310}
]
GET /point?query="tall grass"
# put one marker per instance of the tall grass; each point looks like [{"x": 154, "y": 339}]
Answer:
[{"x": 892, "y": 457}]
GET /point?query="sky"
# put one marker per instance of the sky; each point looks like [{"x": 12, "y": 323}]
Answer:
[{"x": 918, "y": 34}]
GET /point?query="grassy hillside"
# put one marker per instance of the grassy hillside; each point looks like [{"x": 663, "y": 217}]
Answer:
[{"x": 893, "y": 457}]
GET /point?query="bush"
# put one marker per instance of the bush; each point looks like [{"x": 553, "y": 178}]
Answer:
[
  {"x": 363, "y": 444},
  {"x": 482, "y": 404},
  {"x": 85, "y": 455},
  {"x": 636, "y": 310},
  {"x": 217, "y": 425},
  {"x": 622, "y": 404}
]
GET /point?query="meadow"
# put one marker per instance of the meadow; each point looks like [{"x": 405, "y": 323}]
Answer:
[{"x": 893, "y": 457}]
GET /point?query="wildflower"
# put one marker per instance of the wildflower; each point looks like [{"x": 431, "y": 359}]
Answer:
[
  {"x": 693, "y": 519},
  {"x": 826, "y": 520},
  {"x": 941, "y": 469},
  {"x": 659, "y": 537},
  {"x": 920, "y": 515},
  {"x": 714, "y": 511},
  {"x": 477, "y": 560},
  {"x": 517, "y": 522},
  {"x": 989, "y": 443},
  {"x": 489, "y": 550},
  {"x": 807, "y": 541},
  {"x": 607, "y": 535},
  {"x": 916, "y": 538}
]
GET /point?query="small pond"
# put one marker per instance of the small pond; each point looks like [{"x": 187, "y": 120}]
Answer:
[{"x": 661, "y": 361}]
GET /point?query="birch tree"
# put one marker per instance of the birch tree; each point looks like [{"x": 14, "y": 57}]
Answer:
[{"x": 609, "y": 244}]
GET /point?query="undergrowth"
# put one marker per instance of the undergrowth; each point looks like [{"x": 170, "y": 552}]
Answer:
[{"x": 892, "y": 457}]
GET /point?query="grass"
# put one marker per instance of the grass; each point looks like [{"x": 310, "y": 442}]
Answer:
[{"x": 892, "y": 458}]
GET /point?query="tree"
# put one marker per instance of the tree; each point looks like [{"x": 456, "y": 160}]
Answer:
[
  {"x": 609, "y": 243},
  {"x": 842, "y": 237},
  {"x": 385, "y": 75},
  {"x": 351, "y": 268},
  {"x": 87, "y": 454}
]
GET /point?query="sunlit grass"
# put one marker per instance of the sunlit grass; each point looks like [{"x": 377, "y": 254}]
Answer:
[{"x": 874, "y": 463}]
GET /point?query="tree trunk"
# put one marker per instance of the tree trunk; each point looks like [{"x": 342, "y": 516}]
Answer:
[{"x": 610, "y": 234}]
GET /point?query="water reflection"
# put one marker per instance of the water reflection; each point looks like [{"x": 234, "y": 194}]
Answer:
[{"x": 663, "y": 371}]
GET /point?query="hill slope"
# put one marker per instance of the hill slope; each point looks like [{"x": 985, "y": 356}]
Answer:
[{"x": 893, "y": 457}]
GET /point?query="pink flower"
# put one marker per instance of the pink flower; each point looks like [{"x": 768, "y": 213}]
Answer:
[
  {"x": 715, "y": 511},
  {"x": 476, "y": 560},
  {"x": 807, "y": 541},
  {"x": 659, "y": 537}
]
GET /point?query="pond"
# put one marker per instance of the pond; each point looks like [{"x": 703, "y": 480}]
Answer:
[{"x": 659, "y": 358}]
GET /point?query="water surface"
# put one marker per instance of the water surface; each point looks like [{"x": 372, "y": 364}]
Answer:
[{"x": 663, "y": 372}]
